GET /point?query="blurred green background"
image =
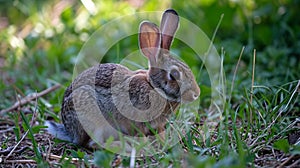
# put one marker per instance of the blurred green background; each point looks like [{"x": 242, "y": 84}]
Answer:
[{"x": 40, "y": 40}]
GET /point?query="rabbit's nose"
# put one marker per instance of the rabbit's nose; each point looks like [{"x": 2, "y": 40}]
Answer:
[
  {"x": 195, "y": 95},
  {"x": 190, "y": 95}
]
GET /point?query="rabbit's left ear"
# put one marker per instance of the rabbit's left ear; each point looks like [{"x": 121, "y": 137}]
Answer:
[
  {"x": 168, "y": 26},
  {"x": 149, "y": 41}
]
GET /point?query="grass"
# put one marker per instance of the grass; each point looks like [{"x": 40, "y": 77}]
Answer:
[
  {"x": 260, "y": 120},
  {"x": 236, "y": 141}
]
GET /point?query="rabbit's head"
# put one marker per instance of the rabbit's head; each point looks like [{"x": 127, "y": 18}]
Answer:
[{"x": 172, "y": 78}]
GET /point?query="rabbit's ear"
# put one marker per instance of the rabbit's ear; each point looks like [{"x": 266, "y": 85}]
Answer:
[
  {"x": 168, "y": 26},
  {"x": 149, "y": 40}
]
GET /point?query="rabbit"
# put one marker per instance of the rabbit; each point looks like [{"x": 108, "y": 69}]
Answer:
[{"x": 108, "y": 99}]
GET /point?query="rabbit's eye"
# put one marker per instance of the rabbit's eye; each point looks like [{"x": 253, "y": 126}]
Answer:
[{"x": 174, "y": 74}]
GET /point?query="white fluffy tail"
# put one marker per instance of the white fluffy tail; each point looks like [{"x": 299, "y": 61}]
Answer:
[{"x": 58, "y": 130}]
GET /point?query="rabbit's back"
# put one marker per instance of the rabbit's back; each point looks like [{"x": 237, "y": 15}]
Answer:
[
  {"x": 92, "y": 85},
  {"x": 99, "y": 75}
]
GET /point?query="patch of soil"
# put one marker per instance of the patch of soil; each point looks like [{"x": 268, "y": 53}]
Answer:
[{"x": 23, "y": 154}]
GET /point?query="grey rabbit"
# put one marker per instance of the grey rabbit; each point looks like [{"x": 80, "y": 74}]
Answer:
[{"x": 108, "y": 99}]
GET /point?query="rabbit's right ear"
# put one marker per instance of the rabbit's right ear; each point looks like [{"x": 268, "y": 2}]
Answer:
[
  {"x": 149, "y": 41},
  {"x": 169, "y": 24}
]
